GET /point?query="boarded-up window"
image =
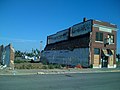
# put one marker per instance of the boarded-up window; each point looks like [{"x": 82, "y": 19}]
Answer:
[{"x": 99, "y": 36}]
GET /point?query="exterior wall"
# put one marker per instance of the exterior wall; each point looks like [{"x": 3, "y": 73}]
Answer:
[
  {"x": 71, "y": 52},
  {"x": 7, "y": 55},
  {"x": 107, "y": 28},
  {"x": 74, "y": 42},
  {"x": 75, "y": 57},
  {"x": 1, "y": 53},
  {"x": 70, "y": 46},
  {"x": 12, "y": 55}
]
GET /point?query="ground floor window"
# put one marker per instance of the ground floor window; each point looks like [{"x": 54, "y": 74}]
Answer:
[{"x": 96, "y": 51}]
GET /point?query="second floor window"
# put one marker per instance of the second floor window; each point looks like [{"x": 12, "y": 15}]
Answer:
[{"x": 99, "y": 36}]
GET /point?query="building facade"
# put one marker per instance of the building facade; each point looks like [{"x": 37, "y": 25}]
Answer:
[
  {"x": 7, "y": 55},
  {"x": 89, "y": 43}
]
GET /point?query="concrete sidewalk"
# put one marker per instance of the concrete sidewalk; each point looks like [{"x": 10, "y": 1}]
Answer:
[{"x": 54, "y": 71}]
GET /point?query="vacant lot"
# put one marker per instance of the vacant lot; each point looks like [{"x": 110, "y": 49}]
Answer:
[{"x": 28, "y": 65}]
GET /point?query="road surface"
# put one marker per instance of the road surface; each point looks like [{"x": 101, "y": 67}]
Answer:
[{"x": 81, "y": 81}]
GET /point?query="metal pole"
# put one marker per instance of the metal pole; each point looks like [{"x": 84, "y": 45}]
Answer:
[{"x": 40, "y": 48}]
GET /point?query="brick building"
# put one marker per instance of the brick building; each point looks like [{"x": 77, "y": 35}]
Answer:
[{"x": 89, "y": 43}]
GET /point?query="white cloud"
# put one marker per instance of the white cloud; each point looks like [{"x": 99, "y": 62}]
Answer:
[{"x": 19, "y": 40}]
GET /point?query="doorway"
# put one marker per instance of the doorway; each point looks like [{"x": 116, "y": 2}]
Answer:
[{"x": 105, "y": 61}]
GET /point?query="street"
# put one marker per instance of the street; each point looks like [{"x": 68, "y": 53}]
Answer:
[{"x": 81, "y": 81}]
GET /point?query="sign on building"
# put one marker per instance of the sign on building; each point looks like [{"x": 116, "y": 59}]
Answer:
[
  {"x": 59, "y": 36},
  {"x": 81, "y": 28}
]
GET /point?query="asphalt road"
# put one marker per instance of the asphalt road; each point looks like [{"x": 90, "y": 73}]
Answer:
[{"x": 83, "y": 81}]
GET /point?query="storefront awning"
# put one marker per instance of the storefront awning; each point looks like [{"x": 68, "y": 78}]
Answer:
[{"x": 107, "y": 52}]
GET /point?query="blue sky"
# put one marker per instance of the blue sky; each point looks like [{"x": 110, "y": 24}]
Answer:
[{"x": 25, "y": 23}]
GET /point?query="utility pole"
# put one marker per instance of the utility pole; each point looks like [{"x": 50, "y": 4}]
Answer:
[{"x": 40, "y": 47}]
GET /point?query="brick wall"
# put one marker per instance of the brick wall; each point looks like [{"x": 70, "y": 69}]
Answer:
[
  {"x": 70, "y": 44},
  {"x": 102, "y": 45}
]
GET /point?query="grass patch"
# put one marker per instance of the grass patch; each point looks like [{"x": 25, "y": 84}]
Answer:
[
  {"x": 28, "y": 65},
  {"x": 20, "y": 61}
]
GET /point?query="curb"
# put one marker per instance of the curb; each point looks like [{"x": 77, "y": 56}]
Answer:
[{"x": 55, "y": 72}]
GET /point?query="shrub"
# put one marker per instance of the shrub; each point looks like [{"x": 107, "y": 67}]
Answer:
[
  {"x": 29, "y": 66},
  {"x": 51, "y": 66},
  {"x": 20, "y": 61},
  {"x": 23, "y": 67},
  {"x": 58, "y": 66},
  {"x": 44, "y": 67},
  {"x": 91, "y": 66},
  {"x": 63, "y": 65}
]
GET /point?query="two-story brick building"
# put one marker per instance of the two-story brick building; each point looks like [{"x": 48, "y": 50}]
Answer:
[{"x": 89, "y": 43}]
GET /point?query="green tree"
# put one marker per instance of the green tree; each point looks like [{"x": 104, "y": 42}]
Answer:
[
  {"x": 18, "y": 53},
  {"x": 118, "y": 56}
]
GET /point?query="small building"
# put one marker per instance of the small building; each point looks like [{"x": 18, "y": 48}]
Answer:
[
  {"x": 7, "y": 55},
  {"x": 89, "y": 43}
]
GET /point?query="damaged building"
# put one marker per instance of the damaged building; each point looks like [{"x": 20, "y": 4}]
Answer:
[
  {"x": 89, "y": 43},
  {"x": 7, "y": 56}
]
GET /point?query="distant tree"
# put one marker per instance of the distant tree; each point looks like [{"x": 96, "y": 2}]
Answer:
[
  {"x": 38, "y": 51},
  {"x": 34, "y": 52},
  {"x": 30, "y": 54},
  {"x": 18, "y": 53}
]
